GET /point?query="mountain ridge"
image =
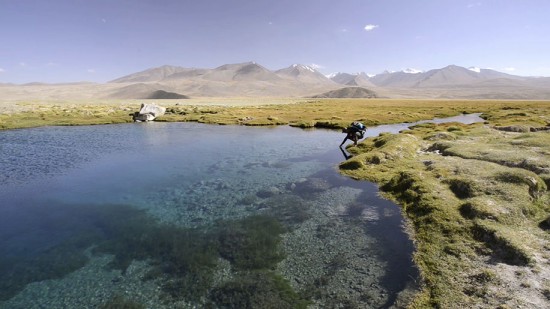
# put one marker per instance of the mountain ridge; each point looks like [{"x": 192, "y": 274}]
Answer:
[{"x": 250, "y": 79}]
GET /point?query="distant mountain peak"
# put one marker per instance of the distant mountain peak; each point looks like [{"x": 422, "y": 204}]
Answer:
[
  {"x": 303, "y": 67},
  {"x": 232, "y": 66},
  {"x": 412, "y": 71},
  {"x": 300, "y": 69},
  {"x": 355, "y": 79},
  {"x": 335, "y": 74},
  {"x": 304, "y": 73},
  {"x": 368, "y": 74},
  {"x": 152, "y": 74},
  {"x": 475, "y": 69}
]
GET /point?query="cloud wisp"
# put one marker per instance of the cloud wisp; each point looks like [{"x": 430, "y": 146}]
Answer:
[
  {"x": 473, "y": 5},
  {"x": 371, "y": 27}
]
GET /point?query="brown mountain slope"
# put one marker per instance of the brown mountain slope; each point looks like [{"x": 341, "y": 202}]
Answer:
[
  {"x": 165, "y": 95},
  {"x": 150, "y": 75},
  {"x": 348, "y": 92}
]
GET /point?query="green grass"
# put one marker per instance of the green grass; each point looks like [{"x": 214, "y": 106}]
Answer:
[
  {"x": 65, "y": 116},
  {"x": 472, "y": 194},
  {"x": 322, "y": 113}
]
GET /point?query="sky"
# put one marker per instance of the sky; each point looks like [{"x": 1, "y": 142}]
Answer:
[{"x": 100, "y": 40}]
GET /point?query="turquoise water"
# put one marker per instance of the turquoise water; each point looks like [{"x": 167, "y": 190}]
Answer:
[{"x": 186, "y": 215}]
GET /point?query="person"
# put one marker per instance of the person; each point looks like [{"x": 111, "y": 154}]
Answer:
[{"x": 355, "y": 131}]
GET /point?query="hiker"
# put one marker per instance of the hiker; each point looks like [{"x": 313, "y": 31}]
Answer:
[{"x": 355, "y": 131}]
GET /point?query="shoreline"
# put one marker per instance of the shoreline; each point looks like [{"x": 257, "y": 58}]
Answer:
[
  {"x": 303, "y": 113},
  {"x": 475, "y": 198}
]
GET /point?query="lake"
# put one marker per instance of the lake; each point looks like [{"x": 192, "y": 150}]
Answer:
[{"x": 164, "y": 215}]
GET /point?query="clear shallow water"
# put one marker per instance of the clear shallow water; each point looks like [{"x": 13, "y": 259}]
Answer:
[{"x": 78, "y": 205}]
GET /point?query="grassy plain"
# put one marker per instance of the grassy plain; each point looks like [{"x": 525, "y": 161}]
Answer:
[
  {"x": 305, "y": 113},
  {"x": 475, "y": 196}
]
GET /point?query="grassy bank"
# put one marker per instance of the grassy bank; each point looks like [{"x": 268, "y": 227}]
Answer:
[
  {"x": 327, "y": 113},
  {"x": 475, "y": 196},
  {"x": 477, "y": 201}
]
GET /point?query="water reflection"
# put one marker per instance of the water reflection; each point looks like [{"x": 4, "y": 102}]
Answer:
[{"x": 345, "y": 153}]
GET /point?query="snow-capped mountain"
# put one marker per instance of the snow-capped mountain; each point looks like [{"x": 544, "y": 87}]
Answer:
[
  {"x": 412, "y": 71},
  {"x": 303, "y": 73},
  {"x": 451, "y": 75}
]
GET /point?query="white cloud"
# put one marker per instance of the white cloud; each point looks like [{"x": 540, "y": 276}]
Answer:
[
  {"x": 91, "y": 71},
  {"x": 509, "y": 69},
  {"x": 51, "y": 64},
  {"x": 473, "y": 5},
  {"x": 103, "y": 20},
  {"x": 2, "y": 70},
  {"x": 370, "y": 27},
  {"x": 23, "y": 64}
]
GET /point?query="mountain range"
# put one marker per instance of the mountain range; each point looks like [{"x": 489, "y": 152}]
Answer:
[{"x": 251, "y": 79}]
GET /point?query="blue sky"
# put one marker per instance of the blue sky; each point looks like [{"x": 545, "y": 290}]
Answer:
[{"x": 100, "y": 40}]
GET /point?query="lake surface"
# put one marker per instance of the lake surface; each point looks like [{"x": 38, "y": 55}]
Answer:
[{"x": 189, "y": 215}]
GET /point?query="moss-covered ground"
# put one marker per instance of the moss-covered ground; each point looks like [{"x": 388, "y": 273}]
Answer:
[
  {"x": 306, "y": 113},
  {"x": 475, "y": 196},
  {"x": 477, "y": 200}
]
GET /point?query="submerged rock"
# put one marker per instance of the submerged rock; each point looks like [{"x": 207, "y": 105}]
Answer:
[
  {"x": 313, "y": 185},
  {"x": 269, "y": 192}
]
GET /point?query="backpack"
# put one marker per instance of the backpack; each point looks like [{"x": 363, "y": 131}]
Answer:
[{"x": 358, "y": 126}]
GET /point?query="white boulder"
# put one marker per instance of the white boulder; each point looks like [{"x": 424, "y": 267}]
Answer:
[{"x": 148, "y": 112}]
